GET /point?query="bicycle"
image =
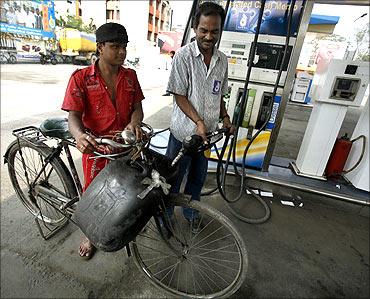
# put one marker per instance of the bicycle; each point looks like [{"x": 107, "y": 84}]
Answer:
[{"x": 209, "y": 262}]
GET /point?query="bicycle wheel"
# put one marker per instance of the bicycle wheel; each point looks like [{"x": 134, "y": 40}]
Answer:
[
  {"x": 209, "y": 263},
  {"x": 55, "y": 178}
]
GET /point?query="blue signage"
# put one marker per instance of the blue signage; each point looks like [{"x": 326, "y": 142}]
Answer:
[
  {"x": 36, "y": 18},
  {"x": 242, "y": 16}
]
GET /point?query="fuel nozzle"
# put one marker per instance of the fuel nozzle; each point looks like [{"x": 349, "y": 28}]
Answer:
[{"x": 190, "y": 144}]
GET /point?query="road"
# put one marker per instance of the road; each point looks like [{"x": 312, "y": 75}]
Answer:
[{"x": 319, "y": 250}]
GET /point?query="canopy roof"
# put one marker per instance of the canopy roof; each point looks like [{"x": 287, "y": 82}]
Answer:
[{"x": 322, "y": 19}]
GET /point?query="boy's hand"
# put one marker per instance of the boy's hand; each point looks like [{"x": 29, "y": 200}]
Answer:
[{"x": 86, "y": 143}]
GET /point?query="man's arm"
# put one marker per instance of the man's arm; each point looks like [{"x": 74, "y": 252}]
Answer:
[
  {"x": 85, "y": 142},
  {"x": 137, "y": 117},
  {"x": 225, "y": 117},
  {"x": 190, "y": 112}
]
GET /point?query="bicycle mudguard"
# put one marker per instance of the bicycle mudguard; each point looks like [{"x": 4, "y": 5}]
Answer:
[{"x": 109, "y": 213}]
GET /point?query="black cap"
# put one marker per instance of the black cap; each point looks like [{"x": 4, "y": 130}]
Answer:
[{"x": 111, "y": 32}]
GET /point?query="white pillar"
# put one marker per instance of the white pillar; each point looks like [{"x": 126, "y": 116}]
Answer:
[
  {"x": 359, "y": 177},
  {"x": 322, "y": 131}
]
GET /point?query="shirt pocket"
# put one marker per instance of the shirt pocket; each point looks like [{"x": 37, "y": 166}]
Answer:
[{"x": 96, "y": 102}]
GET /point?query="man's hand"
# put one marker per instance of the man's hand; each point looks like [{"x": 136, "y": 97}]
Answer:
[
  {"x": 201, "y": 129},
  {"x": 86, "y": 143},
  {"x": 136, "y": 129},
  {"x": 227, "y": 124}
]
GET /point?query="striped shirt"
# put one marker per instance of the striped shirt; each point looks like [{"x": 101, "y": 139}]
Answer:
[{"x": 203, "y": 88}]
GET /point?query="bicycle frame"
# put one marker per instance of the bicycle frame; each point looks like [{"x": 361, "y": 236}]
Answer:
[{"x": 176, "y": 244}]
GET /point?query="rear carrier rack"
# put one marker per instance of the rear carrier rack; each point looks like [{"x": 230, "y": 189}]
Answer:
[{"x": 30, "y": 134}]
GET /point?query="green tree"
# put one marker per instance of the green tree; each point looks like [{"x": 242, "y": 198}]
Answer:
[
  {"x": 362, "y": 43},
  {"x": 74, "y": 22}
]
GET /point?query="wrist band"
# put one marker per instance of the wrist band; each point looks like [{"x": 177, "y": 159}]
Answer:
[{"x": 198, "y": 121}]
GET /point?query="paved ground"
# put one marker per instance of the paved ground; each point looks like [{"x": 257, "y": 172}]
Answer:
[{"x": 318, "y": 248}]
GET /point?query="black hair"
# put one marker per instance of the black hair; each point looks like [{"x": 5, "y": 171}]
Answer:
[
  {"x": 97, "y": 53},
  {"x": 209, "y": 9}
]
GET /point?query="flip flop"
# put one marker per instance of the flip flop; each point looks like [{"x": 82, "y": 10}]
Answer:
[{"x": 87, "y": 244}]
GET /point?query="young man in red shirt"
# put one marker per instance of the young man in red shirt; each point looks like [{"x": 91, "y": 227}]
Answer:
[{"x": 102, "y": 99}]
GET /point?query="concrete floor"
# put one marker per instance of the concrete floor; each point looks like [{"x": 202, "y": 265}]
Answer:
[{"x": 318, "y": 248}]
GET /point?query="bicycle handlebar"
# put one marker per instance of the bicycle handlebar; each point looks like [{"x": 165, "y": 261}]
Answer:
[{"x": 112, "y": 143}]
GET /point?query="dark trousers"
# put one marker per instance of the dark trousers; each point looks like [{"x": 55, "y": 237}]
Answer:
[{"x": 195, "y": 166}]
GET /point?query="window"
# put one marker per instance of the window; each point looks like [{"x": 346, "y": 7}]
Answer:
[{"x": 109, "y": 14}]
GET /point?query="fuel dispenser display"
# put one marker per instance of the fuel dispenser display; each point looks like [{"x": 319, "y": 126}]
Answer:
[{"x": 269, "y": 54}]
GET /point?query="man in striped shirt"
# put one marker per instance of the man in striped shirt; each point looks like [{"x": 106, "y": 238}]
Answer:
[{"x": 198, "y": 81}]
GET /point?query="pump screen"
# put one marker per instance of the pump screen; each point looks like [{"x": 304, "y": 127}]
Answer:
[
  {"x": 345, "y": 89},
  {"x": 351, "y": 69},
  {"x": 344, "y": 84},
  {"x": 237, "y": 53},
  {"x": 238, "y": 46}
]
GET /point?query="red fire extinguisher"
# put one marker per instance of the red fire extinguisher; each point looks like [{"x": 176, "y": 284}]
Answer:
[{"x": 339, "y": 155}]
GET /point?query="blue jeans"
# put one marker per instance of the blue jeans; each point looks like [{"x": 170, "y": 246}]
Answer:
[{"x": 196, "y": 166}]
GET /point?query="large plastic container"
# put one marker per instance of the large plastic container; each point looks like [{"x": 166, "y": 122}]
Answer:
[{"x": 110, "y": 214}]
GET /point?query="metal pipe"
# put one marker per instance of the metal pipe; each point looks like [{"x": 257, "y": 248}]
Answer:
[
  {"x": 189, "y": 23},
  {"x": 302, "y": 188},
  {"x": 307, "y": 10}
]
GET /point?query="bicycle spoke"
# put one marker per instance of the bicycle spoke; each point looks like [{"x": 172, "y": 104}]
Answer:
[
  {"x": 165, "y": 269},
  {"x": 207, "y": 267},
  {"x": 151, "y": 248},
  {"x": 209, "y": 235},
  {"x": 156, "y": 263},
  {"x": 198, "y": 233},
  {"x": 217, "y": 259},
  {"x": 217, "y": 249},
  {"x": 203, "y": 275},
  {"x": 155, "y": 259},
  {"x": 145, "y": 235},
  {"x": 204, "y": 260},
  {"x": 27, "y": 168},
  {"x": 209, "y": 243},
  {"x": 173, "y": 273}
]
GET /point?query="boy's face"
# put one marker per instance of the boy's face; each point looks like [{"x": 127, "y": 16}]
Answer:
[{"x": 113, "y": 53}]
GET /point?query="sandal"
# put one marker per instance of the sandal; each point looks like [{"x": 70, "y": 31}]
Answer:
[{"x": 86, "y": 249}]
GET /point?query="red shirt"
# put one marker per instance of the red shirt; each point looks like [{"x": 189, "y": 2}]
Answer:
[{"x": 88, "y": 93}]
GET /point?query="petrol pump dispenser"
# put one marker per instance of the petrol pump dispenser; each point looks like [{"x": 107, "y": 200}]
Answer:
[
  {"x": 342, "y": 85},
  {"x": 236, "y": 42}
]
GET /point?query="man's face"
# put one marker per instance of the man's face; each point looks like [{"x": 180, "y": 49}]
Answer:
[
  {"x": 113, "y": 53},
  {"x": 208, "y": 32}
]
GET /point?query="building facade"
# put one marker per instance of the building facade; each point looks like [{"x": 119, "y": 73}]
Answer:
[
  {"x": 142, "y": 19},
  {"x": 155, "y": 14}
]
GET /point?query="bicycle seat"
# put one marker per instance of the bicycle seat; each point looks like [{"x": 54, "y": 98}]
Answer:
[{"x": 55, "y": 127}]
